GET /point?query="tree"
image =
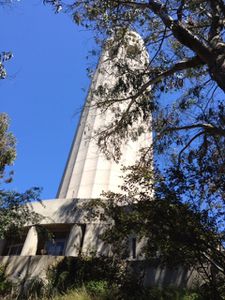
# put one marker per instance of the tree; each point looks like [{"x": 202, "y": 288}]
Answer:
[
  {"x": 174, "y": 232},
  {"x": 4, "y": 55},
  {"x": 15, "y": 207},
  {"x": 183, "y": 88},
  {"x": 185, "y": 40},
  {"x": 7, "y": 146}
]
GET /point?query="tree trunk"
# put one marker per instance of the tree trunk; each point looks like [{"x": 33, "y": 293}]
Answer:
[{"x": 217, "y": 70}]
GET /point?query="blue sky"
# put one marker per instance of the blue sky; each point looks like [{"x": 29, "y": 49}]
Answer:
[{"x": 46, "y": 87}]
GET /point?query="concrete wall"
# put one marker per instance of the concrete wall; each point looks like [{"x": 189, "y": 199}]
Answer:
[
  {"x": 19, "y": 267},
  {"x": 63, "y": 211},
  {"x": 74, "y": 242},
  {"x": 93, "y": 245}
]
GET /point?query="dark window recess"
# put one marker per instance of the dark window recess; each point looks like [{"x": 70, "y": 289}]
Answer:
[
  {"x": 83, "y": 228},
  {"x": 134, "y": 245},
  {"x": 14, "y": 243},
  {"x": 56, "y": 244},
  {"x": 14, "y": 249}
]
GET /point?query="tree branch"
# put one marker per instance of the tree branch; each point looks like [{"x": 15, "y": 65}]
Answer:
[
  {"x": 215, "y": 23},
  {"x": 188, "y": 144},
  {"x": 218, "y": 267},
  {"x": 180, "y": 10},
  {"x": 181, "y": 33},
  {"x": 207, "y": 128},
  {"x": 180, "y": 66},
  {"x": 160, "y": 46},
  {"x": 222, "y": 6}
]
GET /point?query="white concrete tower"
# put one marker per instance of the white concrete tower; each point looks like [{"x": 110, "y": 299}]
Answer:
[{"x": 88, "y": 172}]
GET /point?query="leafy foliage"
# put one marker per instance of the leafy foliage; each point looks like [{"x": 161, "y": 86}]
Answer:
[
  {"x": 29, "y": 289},
  {"x": 153, "y": 294},
  {"x": 15, "y": 207},
  {"x": 4, "y": 57},
  {"x": 16, "y": 210},
  {"x": 171, "y": 230},
  {"x": 106, "y": 278},
  {"x": 76, "y": 271},
  {"x": 7, "y": 146}
]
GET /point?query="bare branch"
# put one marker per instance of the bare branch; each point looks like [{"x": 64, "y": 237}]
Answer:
[
  {"x": 181, "y": 33},
  {"x": 180, "y": 66},
  {"x": 222, "y": 6},
  {"x": 180, "y": 10},
  {"x": 160, "y": 46},
  {"x": 215, "y": 23},
  {"x": 188, "y": 144},
  {"x": 208, "y": 128}
]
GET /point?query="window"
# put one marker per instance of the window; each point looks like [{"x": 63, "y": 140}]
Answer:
[
  {"x": 52, "y": 239},
  {"x": 55, "y": 247}
]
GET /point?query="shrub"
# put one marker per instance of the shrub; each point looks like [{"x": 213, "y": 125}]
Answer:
[
  {"x": 30, "y": 289},
  {"x": 171, "y": 294},
  {"x": 97, "y": 287},
  {"x": 77, "y": 294},
  {"x": 73, "y": 272},
  {"x": 104, "y": 278}
]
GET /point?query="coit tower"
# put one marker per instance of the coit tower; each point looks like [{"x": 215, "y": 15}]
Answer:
[{"x": 88, "y": 172}]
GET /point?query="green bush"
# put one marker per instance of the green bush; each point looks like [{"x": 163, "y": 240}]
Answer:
[
  {"x": 97, "y": 287},
  {"x": 171, "y": 294},
  {"x": 77, "y": 294},
  {"x": 73, "y": 272},
  {"x": 99, "y": 291},
  {"x": 32, "y": 289}
]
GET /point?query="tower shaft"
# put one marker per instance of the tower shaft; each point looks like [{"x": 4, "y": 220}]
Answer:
[{"x": 88, "y": 173}]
